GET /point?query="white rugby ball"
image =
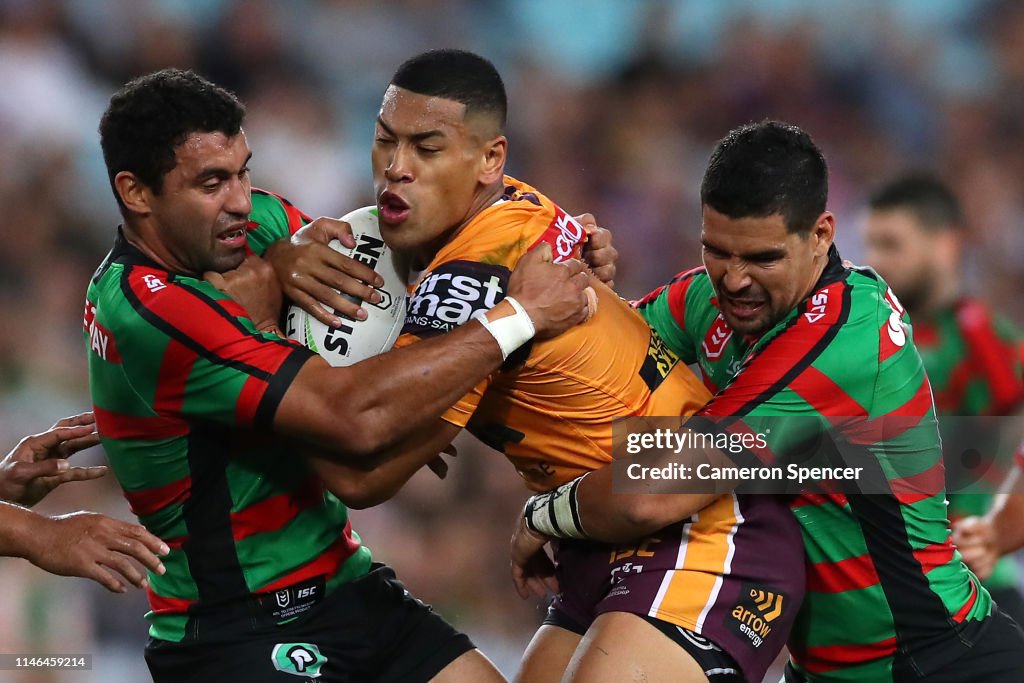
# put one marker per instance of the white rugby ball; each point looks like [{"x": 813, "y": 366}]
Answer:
[{"x": 358, "y": 340}]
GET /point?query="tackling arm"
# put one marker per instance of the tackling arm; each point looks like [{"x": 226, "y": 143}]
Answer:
[
  {"x": 587, "y": 507},
  {"x": 361, "y": 488},
  {"x": 370, "y": 406}
]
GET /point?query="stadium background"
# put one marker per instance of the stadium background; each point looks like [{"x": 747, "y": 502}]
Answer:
[{"x": 615, "y": 105}]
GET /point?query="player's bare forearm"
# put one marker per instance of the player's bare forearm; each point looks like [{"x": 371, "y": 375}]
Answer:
[
  {"x": 368, "y": 407},
  {"x": 358, "y": 411},
  {"x": 84, "y": 544},
  {"x": 620, "y": 517},
  {"x": 1007, "y": 516},
  {"x": 361, "y": 487},
  {"x": 16, "y": 530},
  {"x": 590, "y": 507}
]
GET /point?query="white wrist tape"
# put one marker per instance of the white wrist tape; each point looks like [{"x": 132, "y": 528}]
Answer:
[
  {"x": 556, "y": 513},
  {"x": 510, "y": 332}
]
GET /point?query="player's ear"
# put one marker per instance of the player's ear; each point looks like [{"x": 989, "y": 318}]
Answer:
[
  {"x": 494, "y": 155},
  {"x": 134, "y": 193},
  {"x": 824, "y": 233}
]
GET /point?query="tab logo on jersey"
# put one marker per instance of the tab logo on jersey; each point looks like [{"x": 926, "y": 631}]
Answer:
[
  {"x": 298, "y": 659},
  {"x": 565, "y": 236},
  {"x": 449, "y": 296},
  {"x": 101, "y": 342},
  {"x": 754, "y": 613},
  {"x": 716, "y": 338}
]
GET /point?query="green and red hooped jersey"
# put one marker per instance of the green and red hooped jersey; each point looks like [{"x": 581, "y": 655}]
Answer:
[
  {"x": 973, "y": 360},
  {"x": 884, "y": 579},
  {"x": 973, "y": 363},
  {"x": 184, "y": 389}
]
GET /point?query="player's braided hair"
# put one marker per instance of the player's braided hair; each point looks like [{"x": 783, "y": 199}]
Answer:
[
  {"x": 151, "y": 115},
  {"x": 767, "y": 168},
  {"x": 459, "y": 76}
]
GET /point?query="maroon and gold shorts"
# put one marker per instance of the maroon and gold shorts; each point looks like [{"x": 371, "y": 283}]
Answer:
[{"x": 733, "y": 574}]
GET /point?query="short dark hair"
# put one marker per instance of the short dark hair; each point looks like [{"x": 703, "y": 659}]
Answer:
[
  {"x": 456, "y": 75},
  {"x": 153, "y": 114},
  {"x": 931, "y": 200},
  {"x": 767, "y": 168}
]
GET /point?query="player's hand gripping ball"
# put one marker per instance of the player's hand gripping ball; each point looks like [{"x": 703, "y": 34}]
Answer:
[{"x": 358, "y": 340}]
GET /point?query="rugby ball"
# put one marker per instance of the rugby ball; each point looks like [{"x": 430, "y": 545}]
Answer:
[{"x": 358, "y": 340}]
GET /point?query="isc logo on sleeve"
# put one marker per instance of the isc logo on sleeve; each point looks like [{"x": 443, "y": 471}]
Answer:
[{"x": 449, "y": 296}]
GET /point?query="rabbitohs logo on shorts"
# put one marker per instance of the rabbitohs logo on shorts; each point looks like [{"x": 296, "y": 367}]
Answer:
[{"x": 299, "y": 659}]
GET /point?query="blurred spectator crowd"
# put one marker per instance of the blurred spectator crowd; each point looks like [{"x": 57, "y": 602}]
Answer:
[{"x": 614, "y": 107}]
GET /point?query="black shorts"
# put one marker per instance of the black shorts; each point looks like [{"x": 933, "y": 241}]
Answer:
[
  {"x": 1010, "y": 603},
  {"x": 368, "y": 631},
  {"x": 995, "y": 656},
  {"x": 717, "y": 664}
]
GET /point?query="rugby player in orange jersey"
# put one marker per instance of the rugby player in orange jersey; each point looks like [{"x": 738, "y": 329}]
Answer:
[{"x": 445, "y": 203}]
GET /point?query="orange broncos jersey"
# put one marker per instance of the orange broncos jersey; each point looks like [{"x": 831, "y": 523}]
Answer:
[{"x": 550, "y": 407}]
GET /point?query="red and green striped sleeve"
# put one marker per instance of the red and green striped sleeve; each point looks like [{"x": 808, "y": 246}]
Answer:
[{"x": 272, "y": 218}]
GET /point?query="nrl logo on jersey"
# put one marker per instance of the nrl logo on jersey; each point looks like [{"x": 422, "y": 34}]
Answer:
[{"x": 716, "y": 338}]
